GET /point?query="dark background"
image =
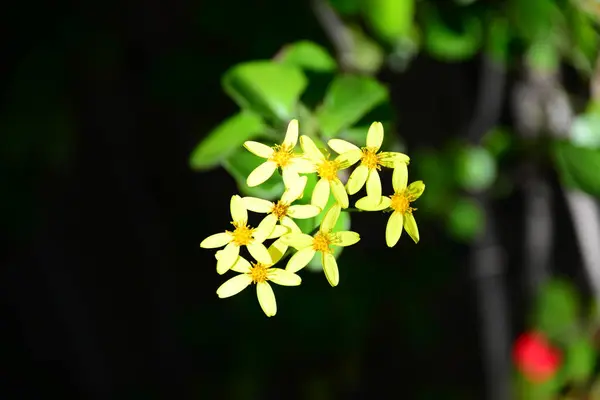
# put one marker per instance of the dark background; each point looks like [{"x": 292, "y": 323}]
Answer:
[{"x": 106, "y": 290}]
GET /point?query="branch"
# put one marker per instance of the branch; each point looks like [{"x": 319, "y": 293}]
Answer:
[{"x": 337, "y": 32}]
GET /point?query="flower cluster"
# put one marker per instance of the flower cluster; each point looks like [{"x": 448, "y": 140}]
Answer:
[{"x": 279, "y": 222}]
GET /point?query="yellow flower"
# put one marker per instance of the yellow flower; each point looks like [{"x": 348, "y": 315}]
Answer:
[
  {"x": 399, "y": 203},
  {"x": 260, "y": 274},
  {"x": 328, "y": 173},
  {"x": 370, "y": 161},
  {"x": 279, "y": 156},
  {"x": 283, "y": 211},
  {"x": 321, "y": 242},
  {"x": 242, "y": 235}
]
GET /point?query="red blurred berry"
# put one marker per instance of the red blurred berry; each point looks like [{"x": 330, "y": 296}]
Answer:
[{"x": 535, "y": 357}]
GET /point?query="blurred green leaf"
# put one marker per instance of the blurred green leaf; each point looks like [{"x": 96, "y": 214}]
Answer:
[
  {"x": 390, "y": 19},
  {"x": 543, "y": 55},
  {"x": 223, "y": 140},
  {"x": 585, "y": 131},
  {"x": 584, "y": 41},
  {"x": 465, "y": 219},
  {"x": 367, "y": 55},
  {"x": 307, "y": 55},
  {"x": 580, "y": 360},
  {"x": 498, "y": 38},
  {"x": 346, "y": 7},
  {"x": 578, "y": 167},
  {"x": 556, "y": 309},
  {"x": 497, "y": 141},
  {"x": 347, "y": 100},
  {"x": 240, "y": 164},
  {"x": 475, "y": 168},
  {"x": 265, "y": 87},
  {"x": 447, "y": 44},
  {"x": 533, "y": 19}
]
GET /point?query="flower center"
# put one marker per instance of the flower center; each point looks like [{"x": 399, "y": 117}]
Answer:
[
  {"x": 401, "y": 203},
  {"x": 280, "y": 210},
  {"x": 258, "y": 273},
  {"x": 369, "y": 158},
  {"x": 242, "y": 234},
  {"x": 328, "y": 169},
  {"x": 321, "y": 242},
  {"x": 282, "y": 155}
]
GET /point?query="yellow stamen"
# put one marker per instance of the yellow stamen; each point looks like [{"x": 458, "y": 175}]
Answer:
[
  {"x": 321, "y": 242},
  {"x": 258, "y": 273},
  {"x": 242, "y": 234},
  {"x": 328, "y": 169},
  {"x": 401, "y": 203},
  {"x": 370, "y": 159},
  {"x": 280, "y": 210},
  {"x": 282, "y": 155}
]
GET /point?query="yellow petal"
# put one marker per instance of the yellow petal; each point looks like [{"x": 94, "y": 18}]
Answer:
[
  {"x": 238, "y": 210},
  {"x": 330, "y": 268},
  {"x": 279, "y": 231},
  {"x": 400, "y": 177},
  {"x": 310, "y": 148},
  {"x": 291, "y": 136},
  {"x": 265, "y": 228},
  {"x": 261, "y": 173},
  {"x": 341, "y": 146},
  {"x": 389, "y": 159},
  {"x": 393, "y": 230},
  {"x": 375, "y": 136},
  {"x": 302, "y": 211},
  {"x": 266, "y": 298},
  {"x": 241, "y": 265},
  {"x": 298, "y": 241},
  {"x": 330, "y": 218},
  {"x": 320, "y": 194},
  {"x": 283, "y": 277},
  {"x": 349, "y": 158},
  {"x": 258, "y": 149},
  {"x": 410, "y": 225},
  {"x": 300, "y": 259},
  {"x": 339, "y": 193},
  {"x": 416, "y": 189},
  {"x": 357, "y": 179},
  {"x": 346, "y": 238},
  {"x": 374, "y": 186},
  {"x": 234, "y": 285},
  {"x": 288, "y": 222},
  {"x": 289, "y": 177},
  {"x": 294, "y": 189},
  {"x": 276, "y": 250},
  {"x": 368, "y": 204},
  {"x": 227, "y": 257},
  {"x": 260, "y": 253},
  {"x": 258, "y": 205},
  {"x": 216, "y": 240},
  {"x": 302, "y": 165}
]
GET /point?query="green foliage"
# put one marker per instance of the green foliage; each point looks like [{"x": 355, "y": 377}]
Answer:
[
  {"x": 348, "y": 99},
  {"x": 266, "y": 88},
  {"x": 475, "y": 168},
  {"x": 585, "y": 131},
  {"x": 465, "y": 220},
  {"x": 223, "y": 140},
  {"x": 308, "y": 56},
  {"x": 556, "y": 310},
  {"x": 580, "y": 360},
  {"x": 390, "y": 19},
  {"x": 578, "y": 166}
]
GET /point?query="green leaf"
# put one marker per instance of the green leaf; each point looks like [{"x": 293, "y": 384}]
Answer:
[
  {"x": 346, "y": 7},
  {"x": 578, "y": 167},
  {"x": 475, "y": 168},
  {"x": 585, "y": 130},
  {"x": 367, "y": 54},
  {"x": 580, "y": 361},
  {"x": 347, "y": 100},
  {"x": 223, "y": 140},
  {"x": 556, "y": 309},
  {"x": 240, "y": 164},
  {"x": 465, "y": 220},
  {"x": 265, "y": 87},
  {"x": 309, "y": 56},
  {"x": 390, "y": 19},
  {"x": 450, "y": 45}
]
